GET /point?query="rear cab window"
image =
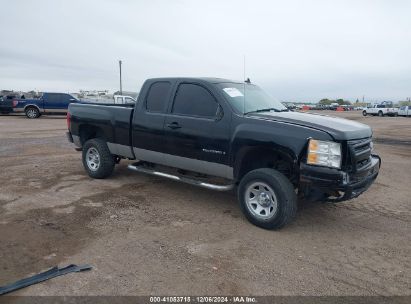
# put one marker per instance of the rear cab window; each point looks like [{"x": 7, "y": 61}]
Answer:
[
  {"x": 53, "y": 97},
  {"x": 157, "y": 97}
]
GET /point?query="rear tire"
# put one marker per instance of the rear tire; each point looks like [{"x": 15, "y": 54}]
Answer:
[
  {"x": 32, "y": 112},
  {"x": 267, "y": 198},
  {"x": 380, "y": 114},
  {"x": 97, "y": 159}
]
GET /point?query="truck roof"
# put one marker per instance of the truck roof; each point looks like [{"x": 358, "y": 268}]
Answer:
[{"x": 206, "y": 79}]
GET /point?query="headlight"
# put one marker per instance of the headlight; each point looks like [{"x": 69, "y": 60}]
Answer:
[
  {"x": 324, "y": 153},
  {"x": 372, "y": 147}
]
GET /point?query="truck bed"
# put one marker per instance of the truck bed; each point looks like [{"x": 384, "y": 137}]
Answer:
[
  {"x": 113, "y": 120},
  {"x": 6, "y": 106}
]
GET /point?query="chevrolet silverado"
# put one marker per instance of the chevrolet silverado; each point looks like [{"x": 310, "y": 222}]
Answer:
[{"x": 222, "y": 135}]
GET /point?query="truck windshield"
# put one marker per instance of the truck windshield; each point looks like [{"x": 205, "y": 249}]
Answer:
[{"x": 249, "y": 98}]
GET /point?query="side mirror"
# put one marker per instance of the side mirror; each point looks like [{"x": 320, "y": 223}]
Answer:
[{"x": 73, "y": 99}]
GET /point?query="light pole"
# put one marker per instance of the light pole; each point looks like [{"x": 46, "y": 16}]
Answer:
[{"x": 121, "y": 84}]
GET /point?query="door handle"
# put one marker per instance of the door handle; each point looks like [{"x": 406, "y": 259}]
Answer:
[{"x": 174, "y": 125}]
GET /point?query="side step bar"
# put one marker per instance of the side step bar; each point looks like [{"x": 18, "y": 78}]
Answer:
[{"x": 182, "y": 179}]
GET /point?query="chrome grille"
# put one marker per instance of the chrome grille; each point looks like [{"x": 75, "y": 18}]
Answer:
[{"x": 360, "y": 153}]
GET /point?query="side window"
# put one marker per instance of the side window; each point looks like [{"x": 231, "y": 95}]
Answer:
[
  {"x": 194, "y": 100},
  {"x": 53, "y": 98},
  {"x": 65, "y": 98},
  {"x": 157, "y": 97},
  {"x": 59, "y": 98}
]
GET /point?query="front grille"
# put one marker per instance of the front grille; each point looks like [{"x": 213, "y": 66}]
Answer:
[{"x": 360, "y": 153}]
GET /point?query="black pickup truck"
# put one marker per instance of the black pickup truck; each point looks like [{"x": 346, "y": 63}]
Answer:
[
  {"x": 7, "y": 103},
  {"x": 222, "y": 134}
]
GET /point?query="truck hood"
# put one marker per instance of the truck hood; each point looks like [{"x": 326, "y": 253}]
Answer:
[{"x": 338, "y": 128}]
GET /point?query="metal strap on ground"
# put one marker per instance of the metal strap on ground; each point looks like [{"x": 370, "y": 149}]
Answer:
[{"x": 41, "y": 277}]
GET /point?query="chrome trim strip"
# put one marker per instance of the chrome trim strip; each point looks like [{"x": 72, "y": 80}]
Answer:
[
  {"x": 51, "y": 110},
  {"x": 182, "y": 179},
  {"x": 120, "y": 150},
  {"x": 191, "y": 164}
]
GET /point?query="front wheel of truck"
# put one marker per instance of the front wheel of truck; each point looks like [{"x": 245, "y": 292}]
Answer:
[
  {"x": 97, "y": 159},
  {"x": 267, "y": 198}
]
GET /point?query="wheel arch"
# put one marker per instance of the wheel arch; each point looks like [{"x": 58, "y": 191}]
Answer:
[
  {"x": 31, "y": 105},
  {"x": 87, "y": 132},
  {"x": 255, "y": 157}
]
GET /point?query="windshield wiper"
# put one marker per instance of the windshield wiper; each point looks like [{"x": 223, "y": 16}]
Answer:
[{"x": 265, "y": 110}]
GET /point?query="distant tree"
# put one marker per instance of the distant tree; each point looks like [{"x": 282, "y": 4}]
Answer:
[
  {"x": 404, "y": 103},
  {"x": 325, "y": 101},
  {"x": 341, "y": 101}
]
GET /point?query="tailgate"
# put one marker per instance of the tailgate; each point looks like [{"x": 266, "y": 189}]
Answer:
[{"x": 6, "y": 104}]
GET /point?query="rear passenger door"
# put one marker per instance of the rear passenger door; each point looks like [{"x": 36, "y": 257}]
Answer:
[
  {"x": 51, "y": 102},
  {"x": 148, "y": 121},
  {"x": 56, "y": 102},
  {"x": 197, "y": 132}
]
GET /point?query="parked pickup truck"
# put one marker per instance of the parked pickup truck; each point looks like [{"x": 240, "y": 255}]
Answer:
[
  {"x": 48, "y": 103},
  {"x": 404, "y": 111},
  {"x": 380, "y": 110},
  {"x": 123, "y": 99},
  {"x": 220, "y": 134},
  {"x": 7, "y": 103}
]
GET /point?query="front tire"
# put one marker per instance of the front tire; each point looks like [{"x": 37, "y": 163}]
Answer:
[
  {"x": 32, "y": 112},
  {"x": 97, "y": 159},
  {"x": 364, "y": 113},
  {"x": 380, "y": 114},
  {"x": 267, "y": 198}
]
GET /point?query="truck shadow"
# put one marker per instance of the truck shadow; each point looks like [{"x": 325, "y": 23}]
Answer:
[{"x": 189, "y": 197}]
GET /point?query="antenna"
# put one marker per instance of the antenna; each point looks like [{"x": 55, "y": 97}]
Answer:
[{"x": 244, "y": 86}]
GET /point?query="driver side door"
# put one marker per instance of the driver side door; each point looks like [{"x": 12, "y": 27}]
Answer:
[{"x": 197, "y": 132}]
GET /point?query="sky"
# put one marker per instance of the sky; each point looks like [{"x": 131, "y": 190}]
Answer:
[{"x": 296, "y": 50}]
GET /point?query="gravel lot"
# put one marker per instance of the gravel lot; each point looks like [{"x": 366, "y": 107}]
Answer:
[{"x": 145, "y": 235}]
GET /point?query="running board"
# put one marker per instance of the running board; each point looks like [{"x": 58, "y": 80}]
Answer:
[{"x": 182, "y": 179}]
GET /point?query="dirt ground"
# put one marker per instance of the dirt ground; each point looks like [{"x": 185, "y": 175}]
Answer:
[{"x": 149, "y": 236}]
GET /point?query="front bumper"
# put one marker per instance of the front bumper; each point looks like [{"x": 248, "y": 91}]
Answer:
[{"x": 336, "y": 185}]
